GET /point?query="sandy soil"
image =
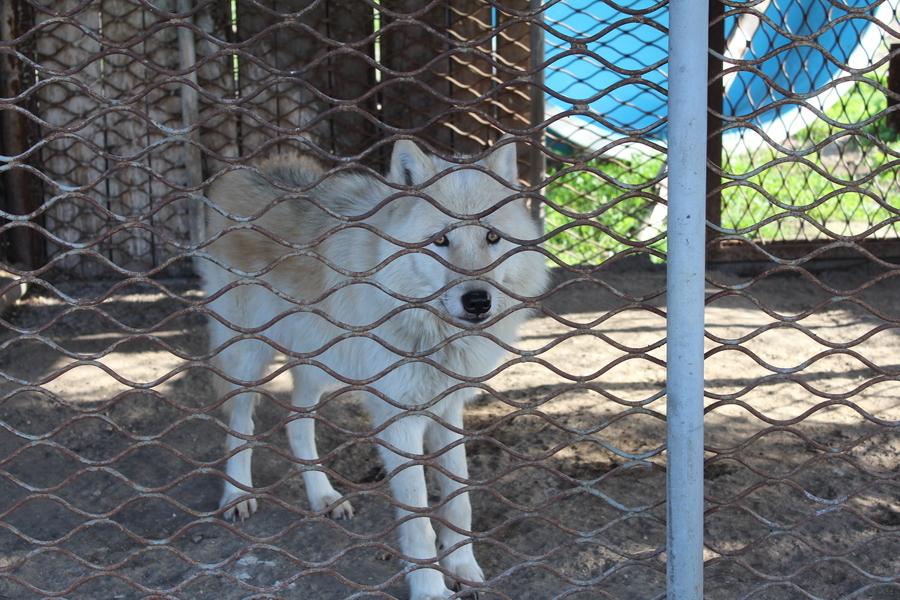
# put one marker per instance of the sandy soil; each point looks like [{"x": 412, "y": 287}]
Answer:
[{"x": 111, "y": 443}]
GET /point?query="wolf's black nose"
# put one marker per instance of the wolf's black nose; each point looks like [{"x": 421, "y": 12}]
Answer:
[{"x": 476, "y": 303}]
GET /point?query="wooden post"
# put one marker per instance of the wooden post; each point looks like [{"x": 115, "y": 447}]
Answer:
[
  {"x": 715, "y": 95},
  {"x": 407, "y": 101},
  {"x": 64, "y": 160},
  {"x": 21, "y": 193},
  {"x": 893, "y": 84},
  {"x": 336, "y": 81},
  {"x": 516, "y": 104},
  {"x": 455, "y": 102},
  {"x": 537, "y": 158},
  {"x": 190, "y": 116}
]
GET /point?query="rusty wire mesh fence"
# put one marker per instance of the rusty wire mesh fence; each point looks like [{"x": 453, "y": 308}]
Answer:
[
  {"x": 118, "y": 116},
  {"x": 807, "y": 136},
  {"x": 801, "y": 501}
]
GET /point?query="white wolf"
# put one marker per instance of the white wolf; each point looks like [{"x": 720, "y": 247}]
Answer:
[{"x": 316, "y": 269}]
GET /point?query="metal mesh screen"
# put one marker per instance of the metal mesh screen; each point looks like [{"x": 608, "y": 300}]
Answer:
[
  {"x": 106, "y": 125},
  {"x": 807, "y": 148},
  {"x": 605, "y": 111},
  {"x": 111, "y": 426},
  {"x": 799, "y": 392}
]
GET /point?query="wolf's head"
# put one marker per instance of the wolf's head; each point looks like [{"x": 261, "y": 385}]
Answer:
[{"x": 471, "y": 229}]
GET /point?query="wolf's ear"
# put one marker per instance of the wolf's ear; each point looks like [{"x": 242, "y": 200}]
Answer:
[
  {"x": 502, "y": 160},
  {"x": 409, "y": 165}
]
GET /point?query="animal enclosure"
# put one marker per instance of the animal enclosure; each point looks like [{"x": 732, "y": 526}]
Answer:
[{"x": 117, "y": 115}]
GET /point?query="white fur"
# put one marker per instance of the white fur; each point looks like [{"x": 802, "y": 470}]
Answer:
[{"x": 428, "y": 295}]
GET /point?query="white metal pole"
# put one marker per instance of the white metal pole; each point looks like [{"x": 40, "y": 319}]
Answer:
[{"x": 688, "y": 48}]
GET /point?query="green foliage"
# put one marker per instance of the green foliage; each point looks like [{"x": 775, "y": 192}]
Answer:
[
  {"x": 840, "y": 175},
  {"x": 859, "y": 108},
  {"x": 601, "y": 207}
]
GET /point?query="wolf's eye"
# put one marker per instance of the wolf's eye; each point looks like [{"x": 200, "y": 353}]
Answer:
[
  {"x": 492, "y": 237},
  {"x": 441, "y": 241}
]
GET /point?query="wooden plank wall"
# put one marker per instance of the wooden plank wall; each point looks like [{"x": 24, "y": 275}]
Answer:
[
  {"x": 118, "y": 175},
  {"x": 69, "y": 158},
  {"x": 476, "y": 93},
  {"x": 306, "y": 71}
]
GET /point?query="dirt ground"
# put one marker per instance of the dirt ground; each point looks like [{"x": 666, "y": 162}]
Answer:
[{"x": 111, "y": 443}]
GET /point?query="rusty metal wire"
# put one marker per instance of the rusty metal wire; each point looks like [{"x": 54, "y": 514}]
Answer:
[
  {"x": 797, "y": 503},
  {"x": 111, "y": 457},
  {"x": 827, "y": 171}
]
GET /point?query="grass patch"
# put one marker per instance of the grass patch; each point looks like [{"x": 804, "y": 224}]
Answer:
[
  {"x": 840, "y": 176},
  {"x": 603, "y": 207},
  {"x": 848, "y": 186}
]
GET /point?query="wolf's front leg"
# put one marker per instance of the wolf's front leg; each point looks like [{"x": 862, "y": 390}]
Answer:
[
  {"x": 308, "y": 385},
  {"x": 244, "y": 361},
  {"x": 238, "y": 466},
  {"x": 417, "y": 538},
  {"x": 457, "y": 511}
]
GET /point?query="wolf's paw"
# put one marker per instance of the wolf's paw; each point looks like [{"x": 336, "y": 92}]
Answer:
[
  {"x": 342, "y": 511},
  {"x": 470, "y": 595},
  {"x": 465, "y": 569},
  {"x": 447, "y": 594},
  {"x": 242, "y": 510},
  {"x": 439, "y": 596},
  {"x": 462, "y": 564},
  {"x": 468, "y": 571},
  {"x": 474, "y": 575}
]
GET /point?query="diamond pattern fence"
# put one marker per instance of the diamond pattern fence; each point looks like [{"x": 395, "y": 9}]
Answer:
[{"x": 117, "y": 116}]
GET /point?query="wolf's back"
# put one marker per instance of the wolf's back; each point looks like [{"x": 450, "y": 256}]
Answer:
[{"x": 274, "y": 200}]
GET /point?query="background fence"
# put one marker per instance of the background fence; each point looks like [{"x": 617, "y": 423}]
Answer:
[{"x": 116, "y": 114}]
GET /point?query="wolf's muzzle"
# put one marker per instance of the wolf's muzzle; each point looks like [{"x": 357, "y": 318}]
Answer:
[{"x": 476, "y": 303}]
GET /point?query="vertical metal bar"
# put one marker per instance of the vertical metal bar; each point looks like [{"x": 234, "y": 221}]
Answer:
[
  {"x": 190, "y": 107},
  {"x": 893, "y": 84},
  {"x": 715, "y": 101},
  {"x": 688, "y": 47},
  {"x": 538, "y": 159}
]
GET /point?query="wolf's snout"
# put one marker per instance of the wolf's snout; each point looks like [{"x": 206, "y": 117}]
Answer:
[{"x": 477, "y": 302}]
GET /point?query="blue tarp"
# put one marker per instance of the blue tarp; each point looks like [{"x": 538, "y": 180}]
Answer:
[{"x": 631, "y": 37}]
